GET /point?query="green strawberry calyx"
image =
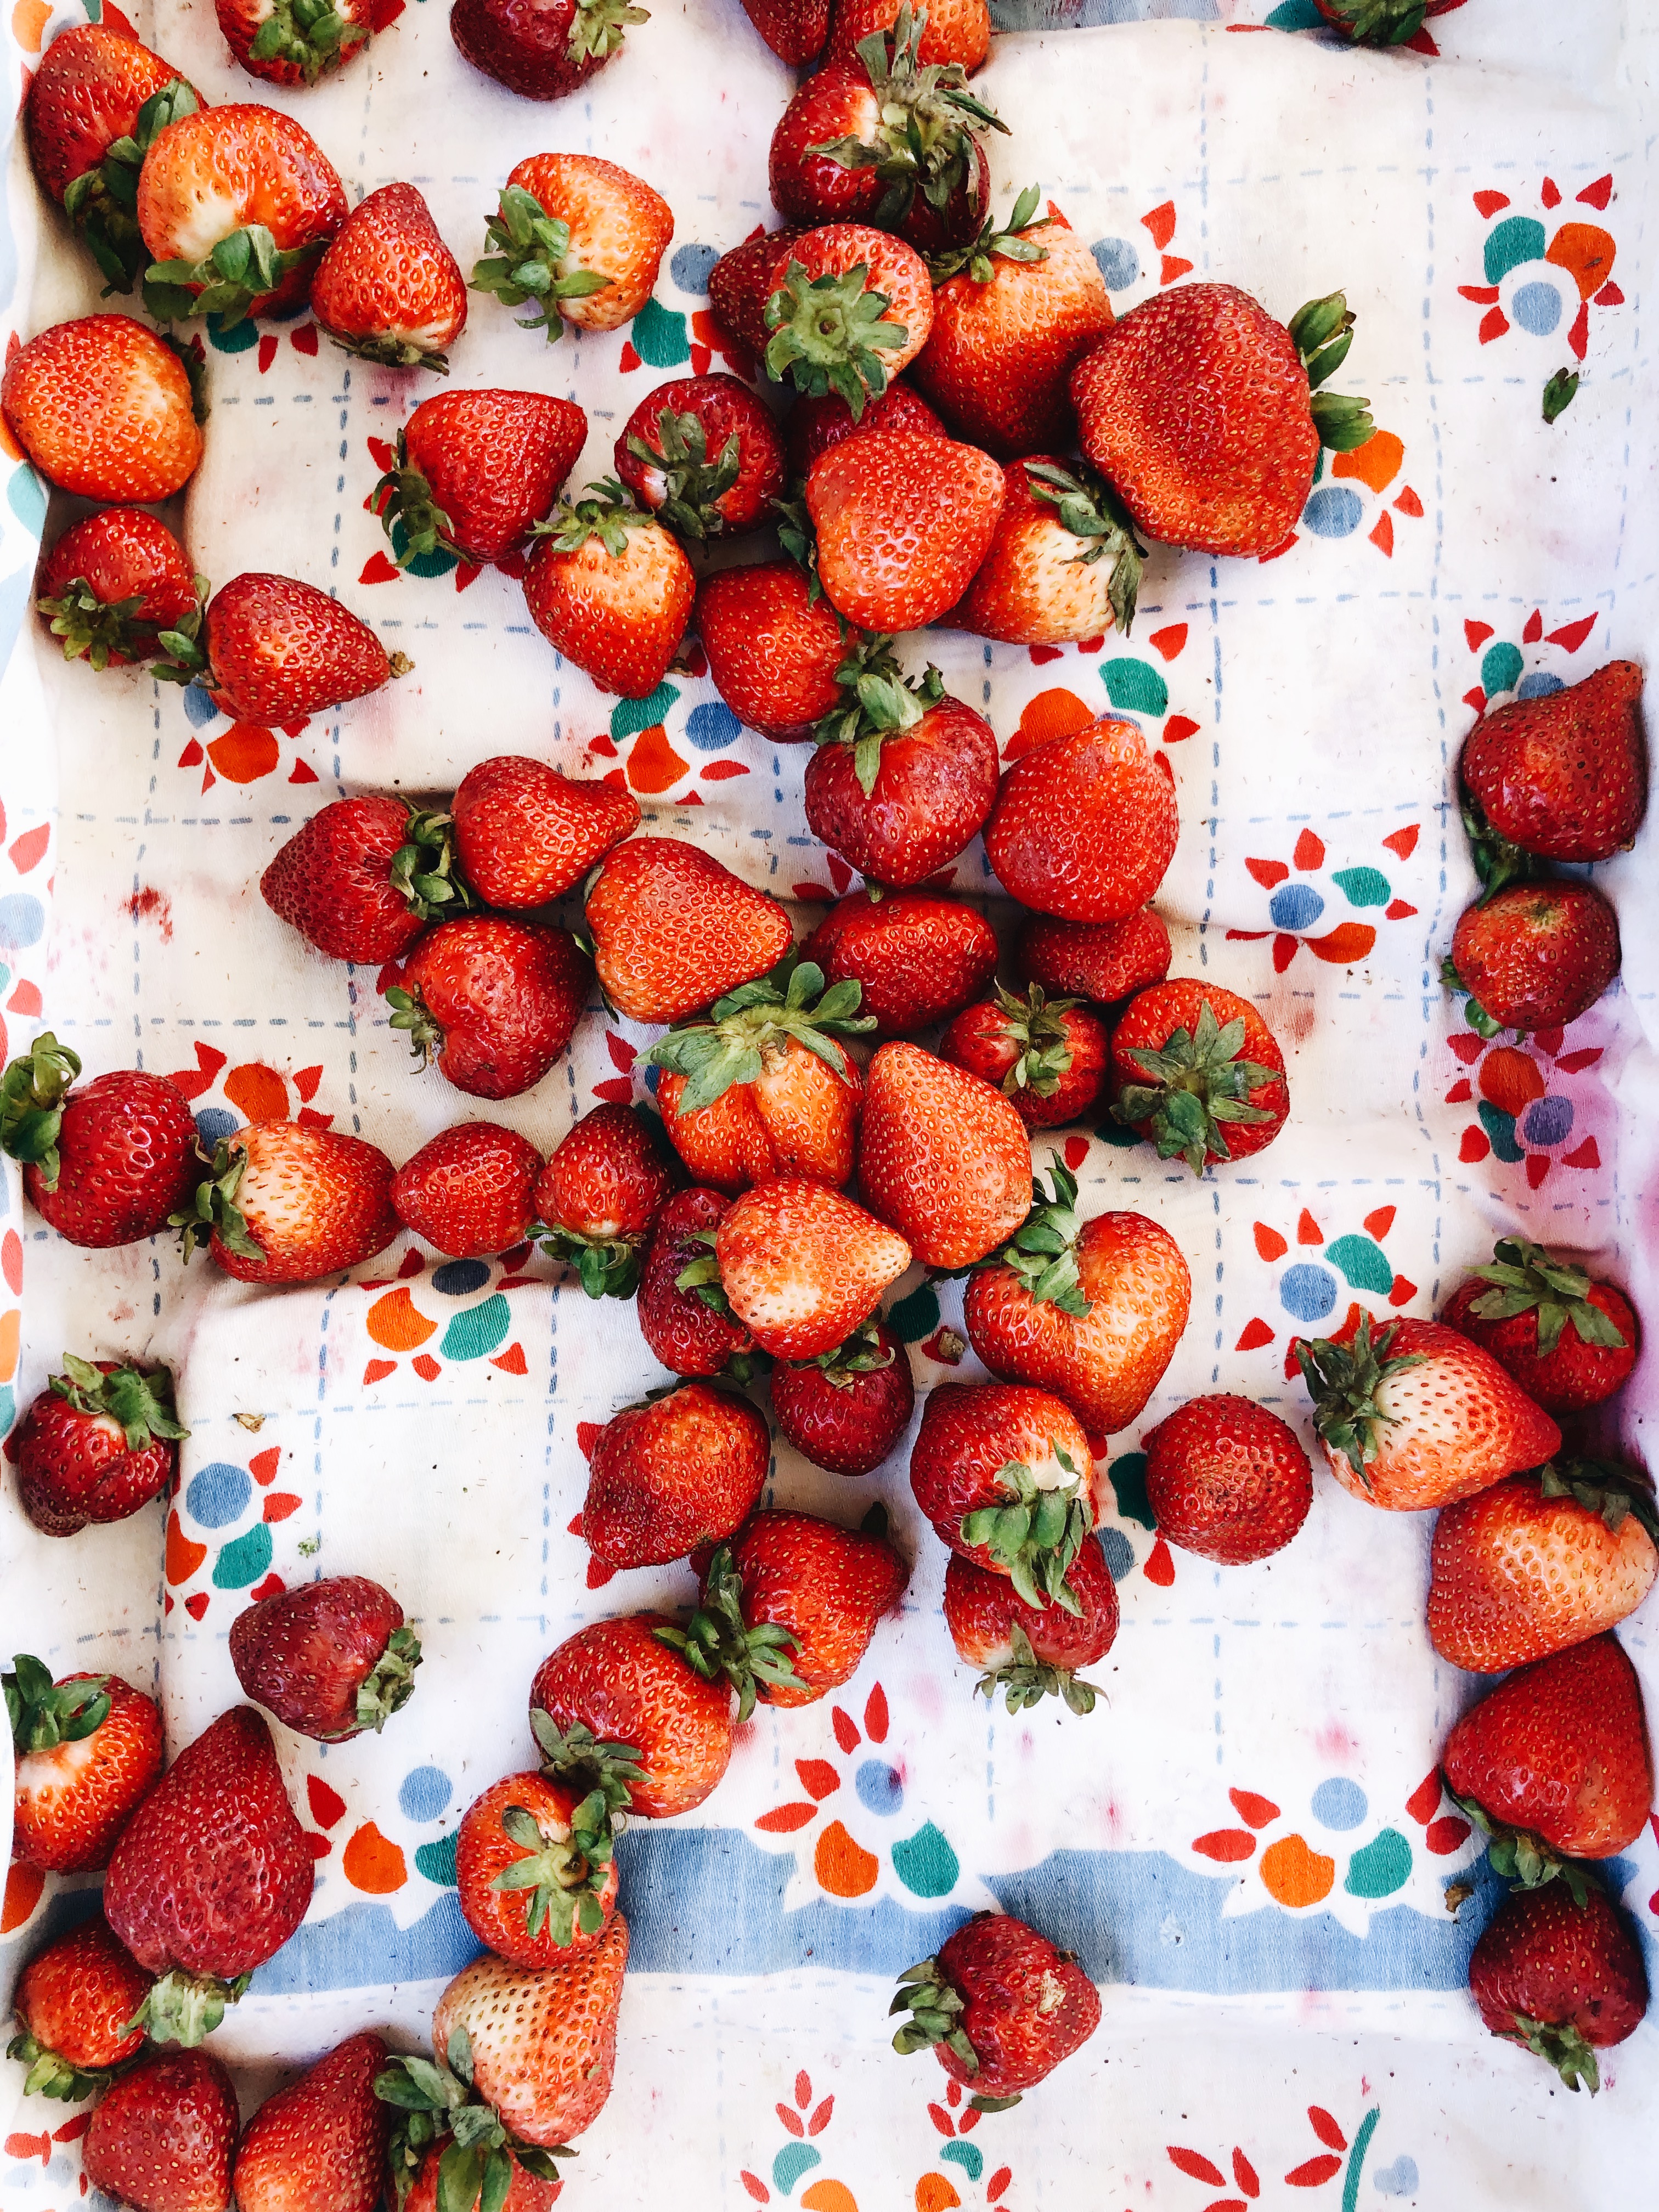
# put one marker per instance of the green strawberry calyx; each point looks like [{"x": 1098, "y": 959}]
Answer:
[
  {"x": 597, "y": 27},
  {"x": 1523, "y": 1858},
  {"x": 32, "y": 1093},
  {"x": 244, "y": 266},
  {"x": 693, "y": 485},
  {"x": 141, "y": 1402},
  {"x": 606, "y": 1267},
  {"x": 404, "y": 496},
  {"x": 309, "y": 35},
  {"x": 1566, "y": 2049},
  {"x": 1025, "y": 1680},
  {"x": 565, "y": 1875},
  {"x": 935, "y": 2007},
  {"x": 1033, "y": 1025},
  {"x": 530, "y": 266},
  {"x": 94, "y": 629},
  {"x": 750, "y": 1032},
  {"x": 604, "y": 1772},
  {"x": 44, "y": 1713},
  {"x": 1035, "y": 1532},
  {"x": 1474, "y": 1013},
  {"x": 1086, "y": 505},
  {"x": 436, "y": 2100},
  {"x": 878, "y": 701},
  {"x": 1343, "y": 1381},
  {"x": 717, "y": 1641},
  {"x": 50, "y": 2074},
  {"x": 187, "y": 662},
  {"x": 829, "y": 334},
  {"x": 411, "y": 1014},
  {"x": 185, "y": 2009},
  {"x": 1043, "y": 1251},
  {"x": 1375, "y": 22},
  {"x": 980, "y": 255},
  {"x": 1196, "y": 1082},
  {"x": 388, "y": 1686},
  {"x": 608, "y": 514},
  {"x": 1497, "y": 861},
  {"x": 861, "y": 1353},
  {"x": 212, "y": 1210},
  {"x": 102, "y": 203},
  {"x": 1605, "y": 1487},
  {"x": 424, "y": 870},
  {"x": 1525, "y": 1278},
  {"x": 1321, "y": 333}
]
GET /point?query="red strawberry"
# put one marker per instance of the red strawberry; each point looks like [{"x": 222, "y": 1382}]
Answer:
[
  {"x": 470, "y": 1190},
  {"x": 104, "y": 1165},
  {"x": 534, "y": 1870},
  {"x": 1560, "y": 777},
  {"x": 74, "y": 2002},
  {"x": 271, "y": 650},
  {"x": 1207, "y": 416},
  {"x": 1535, "y": 958},
  {"x": 1569, "y": 1342},
  {"x": 362, "y": 879},
  {"x": 952, "y": 30},
  {"x": 330, "y": 1659},
  {"x": 800, "y": 1265},
  {"x": 773, "y": 648},
  {"x": 525, "y": 834},
  {"x": 918, "y": 959},
  {"x": 1014, "y": 310},
  {"x": 497, "y": 999},
  {"x": 449, "y": 2150},
  {"x": 96, "y": 1445},
  {"x": 1064, "y": 564},
  {"x": 1227, "y": 1479},
  {"x": 1092, "y": 1310},
  {"x": 598, "y": 1197},
  {"x": 942, "y": 1157},
  {"x": 1565, "y": 1980},
  {"x": 1381, "y": 23},
  {"x": 611, "y": 589},
  {"x": 903, "y": 519},
  {"x": 476, "y": 470},
  {"x": 112, "y": 582},
  {"x": 689, "y": 1334},
  {"x": 846, "y": 1409},
  {"x": 1534, "y": 1566},
  {"x": 211, "y": 1876},
  {"x": 526, "y": 2190},
  {"x": 295, "y": 42},
  {"x": 1199, "y": 1073},
  {"x": 1050, "y": 1059},
  {"x": 1105, "y": 961},
  {"x": 840, "y": 308},
  {"x": 162, "y": 2136},
  {"x": 544, "y": 51},
  {"x": 1418, "y": 1416},
  {"x": 321, "y": 2145},
  {"x": 618, "y": 1682},
  {"x": 795, "y": 29},
  {"x": 103, "y": 407},
  {"x": 388, "y": 289},
  {"x": 590, "y": 236},
  {"x": 235, "y": 204},
  {"x": 286, "y": 1204},
  {"x": 542, "y": 2040},
  {"x": 673, "y": 930},
  {"x": 1029, "y": 1653},
  {"x": 87, "y": 1750},
  {"x": 1085, "y": 826},
  {"x": 815, "y": 425},
  {"x": 674, "y": 1473},
  {"x": 1006, "y": 1477},
  {"x": 1000, "y": 2007},
  {"x": 705, "y": 454}
]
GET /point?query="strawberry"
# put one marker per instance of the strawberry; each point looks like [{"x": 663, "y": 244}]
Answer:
[
  {"x": 762, "y": 1089},
  {"x": 1560, "y": 777},
  {"x": 1381, "y": 23},
  {"x": 320, "y": 2145},
  {"x": 579, "y": 238},
  {"x": 87, "y": 1750},
  {"x": 1531, "y": 1566},
  {"x": 1092, "y": 1310},
  {"x": 1227, "y": 1479},
  {"x": 74, "y": 2003},
  {"x": 1533, "y": 958},
  {"x": 542, "y": 2040},
  {"x": 162, "y": 2138},
  {"x": 1015, "y": 309},
  {"x": 362, "y": 879},
  {"x": 815, "y": 425},
  {"x": 1199, "y": 1073},
  {"x": 673, "y": 1473},
  {"x": 704, "y": 453},
  {"x": 534, "y": 1868},
  {"x": 271, "y": 649},
  {"x": 1085, "y": 826},
  {"x": 942, "y": 1157},
  {"x": 475, "y": 472},
  {"x": 497, "y": 999},
  {"x": 112, "y": 582},
  {"x": 98, "y": 1444},
  {"x": 450, "y": 2149},
  {"x": 1105, "y": 961},
  {"x": 330, "y": 1659},
  {"x": 795, "y": 29},
  {"x": 918, "y": 959},
  {"x": 846, "y": 1409},
  {"x": 611, "y": 589},
  {"x": 541, "y": 52},
  {"x": 673, "y": 930},
  {"x": 598, "y": 1197},
  {"x": 903, "y": 519},
  {"x": 1005, "y": 1476},
  {"x": 525, "y": 834},
  {"x": 689, "y": 1334},
  {"x": 470, "y": 1190},
  {"x": 774, "y": 647},
  {"x": 1064, "y": 565},
  {"x": 952, "y": 30},
  {"x": 105, "y": 1164},
  {"x": 294, "y": 42},
  {"x": 615, "y": 1691},
  {"x": 1563, "y": 1979},
  {"x": 1418, "y": 1416},
  {"x": 801, "y": 1266},
  {"x": 1569, "y": 1342},
  {"x": 1048, "y": 1057},
  {"x": 1207, "y": 416},
  {"x": 839, "y": 308},
  {"x": 999, "y": 2006},
  {"x": 282, "y": 1203},
  {"x": 388, "y": 289},
  {"x": 102, "y": 406},
  {"x": 1027, "y": 1652},
  {"x": 211, "y": 1877},
  {"x": 235, "y": 204},
  {"x": 905, "y": 776}
]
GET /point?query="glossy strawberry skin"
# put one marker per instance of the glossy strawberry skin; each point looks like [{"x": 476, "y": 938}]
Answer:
[
  {"x": 332, "y": 881},
  {"x": 71, "y": 1802},
  {"x": 1086, "y": 826},
  {"x": 86, "y": 94},
  {"x": 74, "y": 1468},
  {"x": 483, "y": 1850},
  {"x": 388, "y": 277},
  {"x": 507, "y": 996},
  {"x": 279, "y": 649},
  {"x": 76, "y": 1997},
  {"x": 524, "y": 45},
  {"x": 1565, "y": 775},
  {"x": 314, "y": 1200},
  {"x": 669, "y": 1476},
  {"x": 982, "y": 1610},
  {"x": 838, "y": 103},
  {"x": 1538, "y": 955},
  {"x": 162, "y": 2138},
  {"x": 1026, "y": 2005},
  {"x": 495, "y": 461},
  {"x": 969, "y": 1431},
  {"x": 799, "y": 1117},
  {"x": 619, "y": 227},
  {"x": 688, "y": 1336},
  {"x": 847, "y": 1426},
  {"x": 1106, "y": 961},
  {"x": 956, "y": 30},
  {"x": 127, "y": 1158},
  {"x": 1546, "y": 1959},
  {"x": 934, "y": 790},
  {"x": 1573, "y": 1377},
  {"x": 942, "y": 1157},
  {"x": 1153, "y": 1016},
  {"x": 616, "y": 1677},
  {"x": 470, "y": 1191},
  {"x": 795, "y": 29},
  {"x": 1038, "y": 585},
  {"x": 978, "y": 1039},
  {"x": 892, "y": 268},
  {"x": 903, "y": 519},
  {"x": 103, "y": 408},
  {"x": 919, "y": 958},
  {"x": 773, "y": 653},
  {"x": 303, "y": 1653},
  {"x": 125, "y": 553},
  {"x": 604, "y": 1178},
  {"x": 829, "y": 1587},
  {"x": 802, "y": 1264},
  {"x": 818, "y": 423},
  {"x": 525, "y": 834},
  {"x": 620, "y": 617},
  {"x": 1227, "y": 1479},
  {"x": 320, "y": 2145},
  {"x": 673, "y": 930},
  {"x": 727, "y": 409},
  {"x": 242, "y": 20}
]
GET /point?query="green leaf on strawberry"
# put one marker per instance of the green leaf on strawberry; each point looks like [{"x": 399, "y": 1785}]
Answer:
[
  {"x": 1566, "y": 2049},
  {"x": 1321, "y": 333},
  {"x": 1523, "y": 1859},
  {"x": 749, "y": 1029},
  {"x": 1343, "y": 1381},
  {"x": 1025, "y": 1680},
  {"x": 42, "y": 1714},
  {"x": 531, "y": 265},
  {"x": 32, "y": 1093},
  {"x": 1526, "y": 1278},
  {"x": 717, "y": 1641},
  {"x": 693, "y": 485},
  {"x": 212, "y": 1210},
  {"x": 435, "y": 2099},
  {"x": 935, "y": 2009},
  {"x": 1042, "y": 1250},
  {"x": 50, "y": 2074},
  {"x": 829, "y": 334},
  {"x": 1196, "y": 1083},
  {"x": 142, "y": 1403},
  {"x": 1034, "y": 1538},
  {"x": 185, "y": 2008},
  {"x": 601, "y": 1768},
  {"x": 1474, "y": 1012},
  {"x": 564, "y": 1874},
  {"x": 102, "y": 202},
  {"x": 993, "y": 244},
  {"x": 1089, "y": 507}
]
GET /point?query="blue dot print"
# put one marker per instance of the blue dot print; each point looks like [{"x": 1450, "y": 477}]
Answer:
[
  {"x": 1539, "y": 685},
  {"x": 1548, "y": 1120},
  {"x": 690, "y": 266},
  {"x": 1295, "y": 906},
  {"x": 219, "y": 1494},
  {"x": 1339, "y": 1803},
  {"x": 1307, "y": 1293},
  {"x": 711, "y": 725},
  {"x": 1118, "y": 260},
  {"x": 1335, "y": 511},
  {"x": 213, "y": 1122},
  {"x": 425, "y": 1790},
  {"x": 880, "y": 1787},
  {"x": 456, "y": 1278},
  {"x": 1537, "y": 307}
]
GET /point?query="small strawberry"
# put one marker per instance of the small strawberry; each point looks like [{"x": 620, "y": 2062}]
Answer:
[
  {"x": 815, "y": 425},
  {"x": 534, "y": 1870},
  {"x": 598, "y": 1196},
  {"x": 294, "y": 42},
  {"x": 942, "y": 1156},
  {"x": 282, "y": 1203},
  {"x": 1092, "y": 1310},
  {"x": 449, "y": 2150},
  {"x": 1105, "y": 961},
  {"x": 903, "y": 519},
  {"x": 470, "y": 1191},
  {"x": 689, "y": 1334},
  {"x": 795, "y": 29},
  {"x": 106, "y": 1163},
  {"x": 1000, "y": 2007},
  {"x": 774, "y": 647},
  {"x": 541, "y": 52},
  {"x": 610, "y": 588},
  {"x": 799, "y": 1264},
  {"x": 1569, "y": 1342},
  {"x": 388, "y": 289},
  {"x": 846, "y": 1409},
  {"x": 1381, "y": 23},
  {"x": 1064, "y": 565},
  {"x": 1563, "y": 1979},
  {"x": 92, "y": 111},
  {"x": 1560, "y": 777},
  {"x": 496, "y": 999},
  {"x": 271, "y": 649},
  {"x": 1029, "y": 1653},
  {"x": 1005, "y": 1476},
  {"x": 103, "y": 407},
  {"x": 525, "y": 834},
  {"x": 475, "y": 472},
  {"x": 579, "y": 239},
  {"x": 672, "y": 1474},
  {"x": 705, "y": 454},
  {"x": 918, "y": 959},
  {"x": 1049, "y": 1057},
  {"x": 1531, "y": 1566},
  {"x": 98, "y": 1444},
  {"x": 1533, "y": 958},
  {"x": 1207, "y": 416},
  {"x": 111, "y": 583},
  {"x": 211, "y": 1877},
  {"x": 1227, "y": 1479},
  {"x": 75, "y": 2003},
  {"x": 330, "y": 1659},
  {"x": 162, "y": 2138},
  {"x": 362, "y": 879},
  {"x": 320, "y": 2145},
  {"x": 844, "y": 307},
  {"x": 615, "y": 1690},
  {"x": 87, "y": 1749},
  {"x": 1085, "y": 826},
  {"x": 1417, "y": 1416},
  {"x": 1015, "y": 309},
  {"x": 952, "y": 30},
  {"x": 1199, "y": 1073},
  {"x": 673, "y": 930}
]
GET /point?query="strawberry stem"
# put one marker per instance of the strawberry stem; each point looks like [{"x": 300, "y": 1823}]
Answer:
[
  {"x": 212, "y": 1210},
  {"x": 1089, "y": 507},
  {"x": 935, "y": 2007},
  {"x": 102, "y": 202},
  {"x": 1474, "y": 1012},
  {"x": 32, "y": 1093},
  {"x": 185, "y": 2009},
  {"x": 1560, "y": 393},
  {"x": 43, "y": 1714},
  {"x": 424, "y": 870},
  {"x": 751, "y": 1030},
  {"x": 309, "y": 35},
  {"x": 1343, "y": 1381},
  {"x": 877, "y": 702},
  {"x": 50, "y": 2074},
  {"x": 597, "y": 27},
  {"x": 1524, "y": 1859},
  {"x": 693, "y": 484},
  {"x": 93, "y": 629},
  {"x": 434, "y": 2100},
  {"x": 602, "y": 1769},
  {"x": 1034, "y": 1538},
  {"x": 717, "y": 1640},
  {"x": 1566, "y": 2049},
  {"x": 861, "y": 1353},
  {"x": 1197, "y": 1082},
  {"x": 1043, "y": 1251},
  {"x": 1321, "y": 333},
  {"x": 1026, "y": 1680},
  {"x": 1497, "y": 861},
  {"x": 141, "y": 1402},
  {"x": 389, "y": 1685},
  {"x": 565, "y": 1874},
  {"x": 829, "y": 334},
  {"x": 994, "y": 245},
  {"x": 1375, "y": 22},
  {"x": 609, "y": 515},
  {"x": 1526, "y": 1278},
  {"x": 246, "y": 266},
  {"x": 530, "y": 267}
]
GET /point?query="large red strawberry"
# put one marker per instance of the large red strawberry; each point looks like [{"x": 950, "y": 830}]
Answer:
[
  {"x": 1105, "y": 961},
  {"x": 1029, "y": 1652},
  {"x": 902, "y": 519},
  {"x": 848, "y": 1408},
  {"x": 942, "y": 1157},
  {"x": 1199, "y": 1073},
  {"x": 112, "y": 583},
  {"x": 774, "y": 646},
  {"x": 1227, "y": 1479},
  {"x": 295, "y": 42},
  {"x": 1048, "y": 1057},
  {"x": 705, "y": 454},
  {"x": 1085, "y": 826},
  {"x": 330, "y": 1659},
  {"x": 917, "y": 958},
  {"x": 162, "y": 2138},
  {"x": 610, "y": 588},
  {"x": 841, "y": 309},
  {"x": 815, "y": 425},
  {"x": 475, "y": 472},
  {"x": 362, "y": 879},
  {"x": 75, "y": 2003},
  {"x": 496, "y": 999},
  {"x": 1568, "y": 1342},
  {"x": 525, "y": 834},
  {"x": 800, "y": 1265},
  {"x": 320, "y": 2144},
  {"x": 1064, "y": 565},
  {"x": 1005, "y": 1476},
  {"x": 542, "y": 2041},
  {"x": 388, "y": 289},
  {"x": 103, "y": 407},
  {"x": 1533, "y": 958},
  {"x": 271, "y": 649},
  {"x": 578, "y": 238},
  {"x": 1563, "y": 776},
  {"x": 615, "y": 1688},
  {"x": 86, "y": 1750},
  {"x": 470, "y": 1190},
  {"x": 1000, "y": 2007},
  {"x": 1563, "y": 1979},
  {"x": 952, "y": 30},
  {"x": 533, "y": 1867},
  {"x": 598, "y": 1195},
  {"x": 98, "y": 1443},
  {"x": 672, "y": 1474},
  {"x": 691, "y": 1333},
  {"x": 282, "y": 1203},
  {"x": 673, "y": 930},
  {"x": 541, "y": 49},
  {"x": 106, "y": 1163}
]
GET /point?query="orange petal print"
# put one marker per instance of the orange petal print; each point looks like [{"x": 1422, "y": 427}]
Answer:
[
  {"x": 256, "y": 1092},
  {"x": 23, "y": 1887},
  {"x": 245, "y": 752},
  {"x": 1376, "y": 463},
  {"x": 1054, "y": 714},
  {"x": 829, "y": 2197},
  {"x": 373, "y": 1863},
  {"x": 1586, "y": 251},
  {"x": 933, "y": 2194},
  {"x": 395, "y": 1322},
  {"x": 1294, "y": 1876},
  {"x": 653, "y": 765},
  {"x": 844, "y": 1868},
  {"x": 184, "y": 1556}
]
